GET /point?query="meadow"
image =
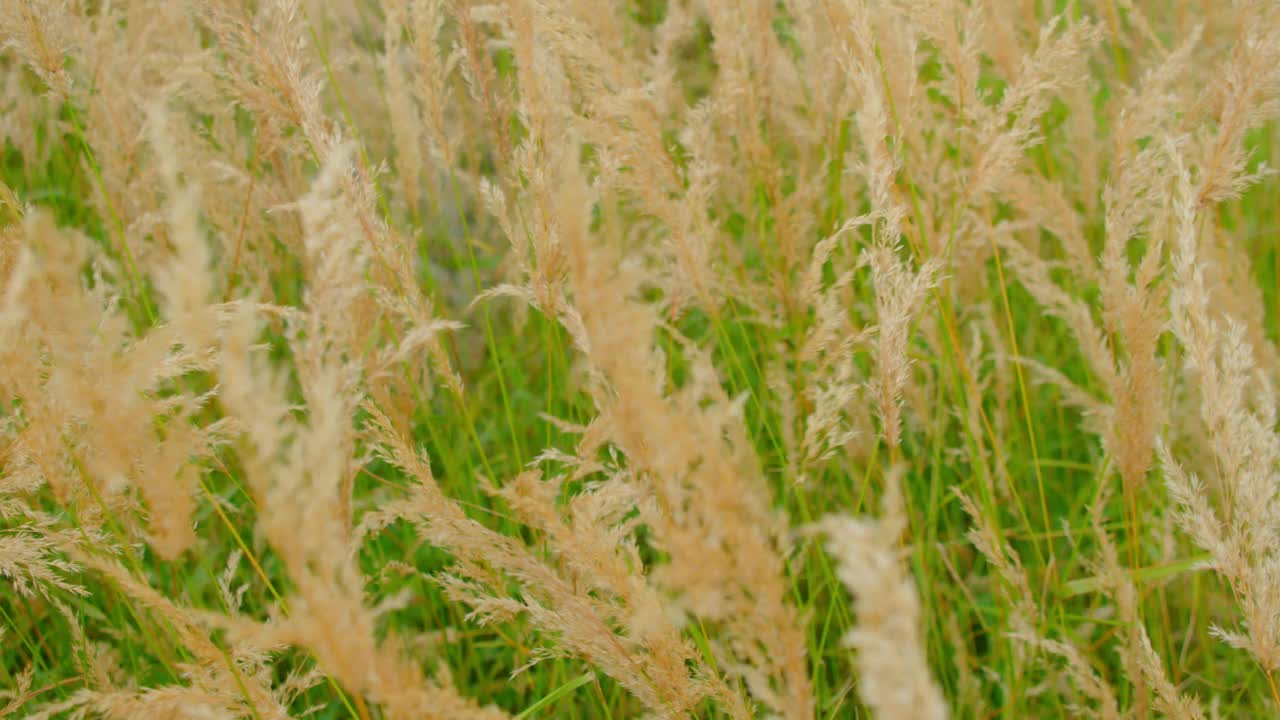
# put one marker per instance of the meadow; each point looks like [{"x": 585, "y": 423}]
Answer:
[{"x": 611, "y": 359}]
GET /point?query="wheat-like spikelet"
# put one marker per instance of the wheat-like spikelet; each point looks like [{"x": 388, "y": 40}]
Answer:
[{"x": 894, "y": 676}]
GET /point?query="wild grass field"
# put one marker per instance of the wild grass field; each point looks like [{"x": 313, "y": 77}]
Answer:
[{"x": 611, "y": 359}]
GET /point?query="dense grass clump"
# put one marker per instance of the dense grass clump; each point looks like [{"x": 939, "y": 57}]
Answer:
[{"x": 800, "y": 359}]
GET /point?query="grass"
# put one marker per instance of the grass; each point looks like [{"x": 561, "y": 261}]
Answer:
[{"x": 980, "y": 421}]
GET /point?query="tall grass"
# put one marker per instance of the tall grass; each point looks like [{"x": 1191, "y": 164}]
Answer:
[{"x": 639, "y": 358}]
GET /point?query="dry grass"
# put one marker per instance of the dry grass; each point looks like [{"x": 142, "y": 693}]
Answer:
[{"x": 642, "y": 358}]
